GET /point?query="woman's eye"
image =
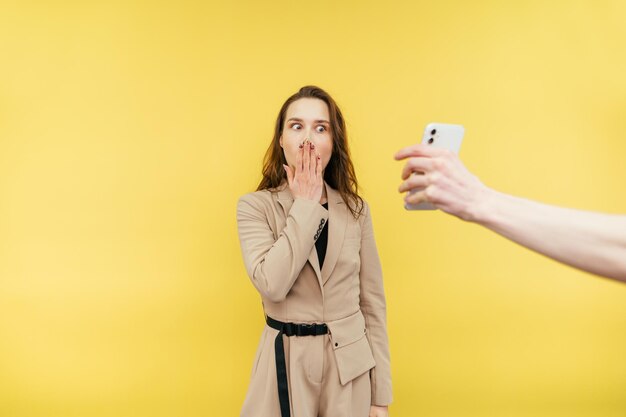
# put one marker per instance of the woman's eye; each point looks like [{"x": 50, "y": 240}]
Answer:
[
  {"x": 321, "y": 129},
  {"x": 296, "y": 126}
]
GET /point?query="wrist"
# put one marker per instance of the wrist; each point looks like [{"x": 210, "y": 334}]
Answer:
[{"x": 483, "y": 209}]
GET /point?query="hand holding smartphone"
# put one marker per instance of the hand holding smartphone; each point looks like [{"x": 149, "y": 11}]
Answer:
[{"x": 439, "y": 135}]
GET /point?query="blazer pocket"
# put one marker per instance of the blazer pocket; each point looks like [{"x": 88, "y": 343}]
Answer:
[{"x": 352, "y": 349}]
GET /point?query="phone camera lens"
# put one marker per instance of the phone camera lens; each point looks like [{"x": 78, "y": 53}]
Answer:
[
  {"x": 432, "y": 132},
  {"x": 430, "y": 141}
]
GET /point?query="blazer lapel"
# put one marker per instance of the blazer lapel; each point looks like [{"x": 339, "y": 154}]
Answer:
[
  {"x": 285, "y": 199},
  {"x": 315, "y": 263},
  {"x": 338, "y": 221}
]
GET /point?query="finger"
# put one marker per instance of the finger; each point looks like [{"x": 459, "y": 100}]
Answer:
[
  {"x": 306, "y": 158},
  {"x": 313, "y": 165},
  {"x": 289, "y": 172},
  {"x": 416, "y": 197},
  {"x": 418, "y": 150},
  {"x": 420, "y": 164},
  {"x": 413, "y": 182},
  {"x": 319, "y": 167},
  {"x": 299, "y": 160}
]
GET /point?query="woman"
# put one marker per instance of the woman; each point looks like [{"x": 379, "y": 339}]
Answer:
[{"x": 308, "y": 247}]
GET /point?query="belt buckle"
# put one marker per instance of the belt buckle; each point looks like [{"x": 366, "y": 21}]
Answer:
[{"x": 306, "y": 329}]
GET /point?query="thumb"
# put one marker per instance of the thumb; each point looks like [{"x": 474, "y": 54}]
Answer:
[{"x": 289, "y": 174}]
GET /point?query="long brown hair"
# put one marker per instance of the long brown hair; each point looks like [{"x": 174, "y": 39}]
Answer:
[{"x": 339, "y": 172}]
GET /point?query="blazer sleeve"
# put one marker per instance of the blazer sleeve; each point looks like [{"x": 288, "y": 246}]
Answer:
[
  {"x": 274, "y": 264},
  {"x": 374, "y": 309}
]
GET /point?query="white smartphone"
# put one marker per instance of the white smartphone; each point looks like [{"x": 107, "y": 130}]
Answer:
[{"x": 439, "y": 135}]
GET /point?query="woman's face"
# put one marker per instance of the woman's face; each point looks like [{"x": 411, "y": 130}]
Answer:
[{"x": 307, "y": 118}]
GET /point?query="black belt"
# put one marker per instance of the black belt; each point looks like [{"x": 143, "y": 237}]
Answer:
[{"x": 288, "y": 329}]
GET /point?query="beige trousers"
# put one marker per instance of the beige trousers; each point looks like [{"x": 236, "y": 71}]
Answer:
[{"x": 314, "y": 387}]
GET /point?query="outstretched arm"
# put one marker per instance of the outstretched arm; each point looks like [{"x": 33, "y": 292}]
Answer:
[{"x": 593, "y": 242}]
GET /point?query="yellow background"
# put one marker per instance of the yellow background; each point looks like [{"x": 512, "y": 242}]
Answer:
[{"x": 129, "y": 129}]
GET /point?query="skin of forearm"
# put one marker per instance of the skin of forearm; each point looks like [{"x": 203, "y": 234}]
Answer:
[{"x": 593, "y": 242}]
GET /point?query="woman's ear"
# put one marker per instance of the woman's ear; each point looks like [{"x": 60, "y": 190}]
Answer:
[{"x": 280, "y": 140}]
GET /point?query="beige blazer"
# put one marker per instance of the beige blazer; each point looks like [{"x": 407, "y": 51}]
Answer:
[{"x": 277, "y": 236}]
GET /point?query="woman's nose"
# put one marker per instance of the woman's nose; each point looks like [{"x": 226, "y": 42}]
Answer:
[
  {"x": 311, "y": 141},
  {"x": 308, "y": 137}
]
